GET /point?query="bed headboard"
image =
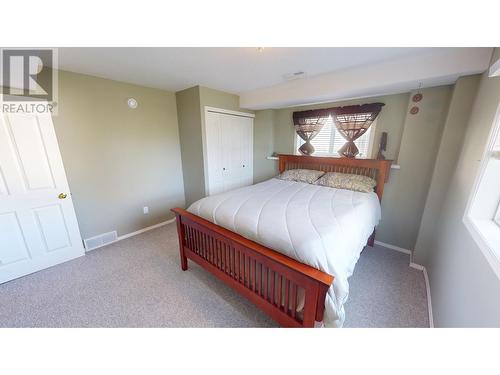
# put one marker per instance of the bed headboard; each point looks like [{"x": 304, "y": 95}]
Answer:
[{"x": 374, "y": 168}]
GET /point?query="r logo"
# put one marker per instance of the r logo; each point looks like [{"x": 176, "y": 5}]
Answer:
[{"x": 27, "y": 74}]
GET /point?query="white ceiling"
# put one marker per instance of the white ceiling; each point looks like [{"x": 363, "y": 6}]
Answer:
[
  {"x": 234, "y": 70},
  {"x": 441, "y": 66}
]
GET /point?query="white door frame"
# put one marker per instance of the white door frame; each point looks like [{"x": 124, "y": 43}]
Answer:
[{"x": 208, "y": 109}]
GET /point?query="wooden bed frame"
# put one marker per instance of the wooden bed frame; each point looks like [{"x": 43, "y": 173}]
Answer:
[{"x": 266, "y": 277}]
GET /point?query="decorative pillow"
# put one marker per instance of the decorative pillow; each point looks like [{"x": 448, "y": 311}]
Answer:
[
  {"x": 347, "y": 181},
  {"x": 301, "y": 175}
]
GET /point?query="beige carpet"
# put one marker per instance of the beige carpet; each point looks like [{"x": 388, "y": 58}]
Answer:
[{"x": 138, "y": 283}]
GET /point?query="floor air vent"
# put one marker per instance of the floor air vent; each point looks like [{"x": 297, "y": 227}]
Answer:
[{"x": 100, "y": 240}]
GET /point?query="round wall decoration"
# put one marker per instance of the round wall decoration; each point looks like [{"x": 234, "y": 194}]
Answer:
[
  {"x": 414, "y": 110},
  {"x": 417, "y": 97}
]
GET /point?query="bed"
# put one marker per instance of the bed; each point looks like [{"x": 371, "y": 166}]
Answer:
[{"x": 289, "y": 247}]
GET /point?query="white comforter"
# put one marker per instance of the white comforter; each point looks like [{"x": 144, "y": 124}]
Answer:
[{"x": 323, "y": 227}]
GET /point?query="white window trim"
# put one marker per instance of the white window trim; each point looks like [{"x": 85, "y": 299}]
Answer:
[
  {"x": 371, "y": 141},
  {"x": 497, "y": 215},
  {"x": 486, "y": 233}
]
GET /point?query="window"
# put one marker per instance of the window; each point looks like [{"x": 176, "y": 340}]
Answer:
[
  {"x": 328, "y": 141},
  {"x": 482, "y": 216}
]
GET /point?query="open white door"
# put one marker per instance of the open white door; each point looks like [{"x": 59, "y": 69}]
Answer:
[{"x": 38, "y": 226}]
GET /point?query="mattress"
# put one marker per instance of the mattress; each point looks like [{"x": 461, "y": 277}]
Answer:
[{"x": 323, "y": 227}]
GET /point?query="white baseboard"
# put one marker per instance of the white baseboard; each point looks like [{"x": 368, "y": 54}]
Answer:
[
  {"x": 128, "y": 235},
  {"x": 417, "y": 266},
  {"x": 428, "y": 290},
  {"x": 393, "y": 247}
]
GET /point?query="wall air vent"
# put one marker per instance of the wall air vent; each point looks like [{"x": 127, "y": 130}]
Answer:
[
  {"x": 100, "y": 240},
  {"x": 294, "y": 76}
]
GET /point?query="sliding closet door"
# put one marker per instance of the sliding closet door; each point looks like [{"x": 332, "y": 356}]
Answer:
[
  {"x": 229, "y": 151},
  {"x": 246, "y": 151},
  {"x": 214, "y": 166},
  {"x": 231, "y": 143}
]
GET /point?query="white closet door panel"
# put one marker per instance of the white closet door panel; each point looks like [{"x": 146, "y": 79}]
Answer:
[
  {"x": 243, "y": 139},
  {"x": 229, "y": 133},
  {"x": 226, "y": 147},
  {"x": 214, "y": 154},
  {"x": 229, "y": 151},
  {"x": 248, "y": 151},
  {"x": 235, "y": 147}
]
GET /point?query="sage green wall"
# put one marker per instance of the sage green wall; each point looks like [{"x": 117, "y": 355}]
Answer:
[
  {"x": 191, "y": 111},
  {"x": 219, "y": 99},
  {"x": 406, "y": 192},
  {"x": 118, "y": 159},
  {"x": 413, "y": 143},
  {"x": 263, "y": 146},
  {"x": 462, "y": 100},
  {"x": 465, "y": 290}
]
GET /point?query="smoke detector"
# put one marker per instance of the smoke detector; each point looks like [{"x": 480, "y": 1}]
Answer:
[
  {"x": 132, "y": 103},
  {"x": 294, "y": 76}
]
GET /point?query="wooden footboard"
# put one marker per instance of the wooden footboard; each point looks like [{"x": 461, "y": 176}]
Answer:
[
  {"x": 291, "y": 292},
  {"x": 274, "y": 282}
]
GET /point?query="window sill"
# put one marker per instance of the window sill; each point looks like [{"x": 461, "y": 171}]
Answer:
[{"x": 486, "y": 234}]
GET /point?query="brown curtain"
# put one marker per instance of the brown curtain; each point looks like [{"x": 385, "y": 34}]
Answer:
[
  {"x": 307, "y": 125},
  {"x": 352, "y": 122}
]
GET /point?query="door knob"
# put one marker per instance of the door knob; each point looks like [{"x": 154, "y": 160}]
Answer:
[{"x": 62, "y": 196}]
